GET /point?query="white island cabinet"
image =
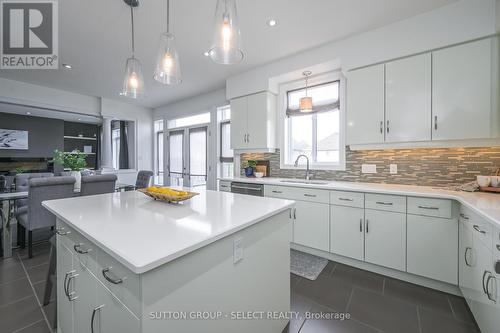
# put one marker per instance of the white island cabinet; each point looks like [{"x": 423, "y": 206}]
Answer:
[{"x": 129, "y": 264}]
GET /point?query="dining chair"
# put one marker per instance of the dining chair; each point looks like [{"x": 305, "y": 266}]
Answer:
[
  {"x": 42, "y": 189},
  {"x": 143, "y": 178},
  {"x": 21, "y": 182},
  {"x": 98, "y": 184}
]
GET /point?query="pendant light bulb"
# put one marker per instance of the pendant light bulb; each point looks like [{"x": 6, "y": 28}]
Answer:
[
  {"x": 168, "y": 69},
  {"x": 226, "y": 45},
  {"x": 133, "y": 82}
]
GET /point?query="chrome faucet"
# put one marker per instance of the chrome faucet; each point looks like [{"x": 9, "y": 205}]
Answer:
[{"x": 308, "y": 172}]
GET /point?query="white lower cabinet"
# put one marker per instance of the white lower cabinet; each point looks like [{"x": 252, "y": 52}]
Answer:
[
  {"x": 347, "y": 236},
  {"x": 113, "y": 315},
  {"x": 385, "y": 239},
  {"x": 64, "y": 270},
  {"x": 86, "y": 286},
  {"x": 432, "y": 247},
  {"x": 311, "y": 225},
  {"x": 466, "y": 259}
]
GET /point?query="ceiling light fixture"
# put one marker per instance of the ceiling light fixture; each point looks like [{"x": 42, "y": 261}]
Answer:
[
  {"x": 272, "y": 22},
  {"x": 28, "y": 113},
  {"x": 133, "y": 83},
  {"x": 206, "y": 54},
  {"x": 226, "y": 46},
  {"x": 306, "y": 103},
  {"x": 67, "y": 66},
  {"x": 168, "y": 69}
]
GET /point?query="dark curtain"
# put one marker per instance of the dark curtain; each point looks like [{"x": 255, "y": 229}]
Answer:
[{"x": 123, "y": 145}]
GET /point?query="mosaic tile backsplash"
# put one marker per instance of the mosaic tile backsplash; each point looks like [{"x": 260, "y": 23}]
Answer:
[{"x": 428, "y": 167}]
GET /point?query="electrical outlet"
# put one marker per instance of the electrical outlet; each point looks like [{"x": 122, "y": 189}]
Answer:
[
  {"x": 237, "y": 250},
  {"x": 393, "y": 169},
  {"x": 368, "y": 168}
]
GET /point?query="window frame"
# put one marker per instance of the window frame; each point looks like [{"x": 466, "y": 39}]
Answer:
[
  {"x": 223, "y": 159},
  {"x": 283, "y": 128}
]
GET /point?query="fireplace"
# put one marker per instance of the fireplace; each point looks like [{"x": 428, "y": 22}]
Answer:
[{"x": 12, "y": 165}]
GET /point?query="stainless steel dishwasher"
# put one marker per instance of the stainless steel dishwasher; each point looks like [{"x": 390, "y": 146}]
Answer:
[{"x": 247, "y": 188}]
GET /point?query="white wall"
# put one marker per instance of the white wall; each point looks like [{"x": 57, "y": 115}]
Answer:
[
  {"x": 38, "y": 96},
  {"x": 459, "y": 22},
  {"x": 192, "y": 105}
]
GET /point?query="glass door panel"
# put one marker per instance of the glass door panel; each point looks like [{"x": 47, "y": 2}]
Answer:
[
  {"x": 176, "y": 158},
  {"x": 198, "y": 157}
]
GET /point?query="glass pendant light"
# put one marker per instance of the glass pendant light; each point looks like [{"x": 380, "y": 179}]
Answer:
[
  {"x": 133, "y": 83},
  {"x": 226, "y": 46},
  {"x": 168, "y": 69},
  {"x": 306, "y": 103}
]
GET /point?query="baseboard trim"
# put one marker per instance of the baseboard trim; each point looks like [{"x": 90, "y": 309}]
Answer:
[{"x": 408, "y": 277}]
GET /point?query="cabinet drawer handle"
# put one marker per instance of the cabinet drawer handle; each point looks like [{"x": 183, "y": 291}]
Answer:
[
  {"x": 498, "y": 247},
  {"x": 381, "y": 127},
  {"x": 310, "y": 195},
  {"x": 435, "y": 122},
  {"x": 476, "y": 227},
  {"x": 295, "y": 213},
  {"x": 64, "y": 284},
  {"x": 78, "y": 248},
  {"x": 361, "y": 225},
  {"x": 366, "y": 227},
  {"x": 429, "y": 207},
  {"x": 345, "y": 199},
  {"x": 467, "y": 249},
  {"x": 387, "y": 126},
  {"x": 483, "y": 282},
  {"x": 93, "y": 317},
  {"x": 70, "y": 276},
  {"x": 60, "y": 231},
  {"x": 490, "y": 278},
  {"x": 105, "y": 274},
  {"x": 248, "y": 137},
  {"x": 275, "y": 191},
  {"x": 384, "y": 203},
  {"x": 465, "y": 217}
]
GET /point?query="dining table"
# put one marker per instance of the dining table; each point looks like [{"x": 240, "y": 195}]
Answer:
[{"x": 7, "y": 202}]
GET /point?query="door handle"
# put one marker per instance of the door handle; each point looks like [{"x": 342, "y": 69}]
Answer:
[
  {"x": 435, "y": 123},
  {"x": 248, "y": 137},
  {"x": 381, "y": 127},
  {"x": 387, "y": 126},
  {"x": 361, "y": 225},
  {"x": 483, "y": 282},
  {"x": 295, "y": 213},
  {"x": 366, "y": 227},
  {"x": 105, "y": 272},
  {"x": 70, "y": 276},
  {"x": 93, "y": 317},
  {"x": 490, "y": 278}
]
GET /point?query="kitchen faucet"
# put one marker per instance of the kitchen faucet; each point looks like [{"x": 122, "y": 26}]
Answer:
[{"x": 308, "y": 173}]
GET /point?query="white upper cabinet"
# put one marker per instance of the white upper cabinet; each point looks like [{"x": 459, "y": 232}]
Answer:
[
  {"x": 365, "y": 105},
  {"x": 461, "y": 92},
  {"x": 253, "y": 122},
  {"x": 408, "y": 99}
]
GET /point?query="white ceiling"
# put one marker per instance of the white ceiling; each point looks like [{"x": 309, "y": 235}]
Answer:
[
  {"x": 48, "y": 113},
  {"x": 95, "y": 39}
]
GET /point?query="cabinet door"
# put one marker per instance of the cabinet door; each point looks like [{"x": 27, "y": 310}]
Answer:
[
  {"x": 461, "y": 99},
  {"x": 408, "y": 99},
  {"x": 385, "y": 239},
  {"x": 113, "y": 316},
  {"x": 465, "y": 260},
  {"x": 365, "y": 105},
  {"x": 347, "y": 231},
  {"x": 311, "y": 225},
  {"x": 64, "y": 305},
  {"x": 432, "y": 249},
  {"x": 85, "y": 285},
  {"x": 238, "y": 123},
  {"x": 257, "y": 115}
]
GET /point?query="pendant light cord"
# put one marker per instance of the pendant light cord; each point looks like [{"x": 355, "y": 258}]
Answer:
[
  {"x": 168, "y": 16},
  {"x": 133, "y": 32}
]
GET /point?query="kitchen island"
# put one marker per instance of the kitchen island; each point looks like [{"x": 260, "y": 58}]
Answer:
[{"x": 216, "y": 263}]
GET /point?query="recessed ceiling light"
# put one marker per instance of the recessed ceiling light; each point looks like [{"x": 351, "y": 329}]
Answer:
[
  {"x": 79, "y": 119},
  {"x": 67, "y": 66},
  {"x": 28, "y": 113},
  {"x": 206, "y": 53},
  {"x": 272, "y": 22}
]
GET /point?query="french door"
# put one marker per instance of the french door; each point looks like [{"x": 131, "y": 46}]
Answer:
[{"x": 187, "y": 159}]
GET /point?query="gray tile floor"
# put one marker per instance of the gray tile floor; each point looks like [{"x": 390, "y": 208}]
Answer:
[
  {"x": 375, "y": 303},
  {"x": 22, "y": 285}
]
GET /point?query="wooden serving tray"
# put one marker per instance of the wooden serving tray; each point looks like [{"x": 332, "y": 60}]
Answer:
[
  {"x": 490, "y": 189},
  {"x": 166, "y": 197}
]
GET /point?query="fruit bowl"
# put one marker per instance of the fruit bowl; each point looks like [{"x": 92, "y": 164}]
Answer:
[{"x": 167, "y": 194}]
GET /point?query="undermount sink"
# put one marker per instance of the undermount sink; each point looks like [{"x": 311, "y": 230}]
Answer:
[{"x": 300, "y": 181}]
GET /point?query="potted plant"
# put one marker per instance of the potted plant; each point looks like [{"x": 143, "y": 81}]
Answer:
[
  {"x": 74, "y": 162},
  {"x": 249, "y": 166}
]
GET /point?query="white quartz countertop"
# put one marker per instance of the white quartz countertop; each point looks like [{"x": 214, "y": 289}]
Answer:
[
  {"x": 486, "y": 205},
  {"x": 143, "y": 234}
]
